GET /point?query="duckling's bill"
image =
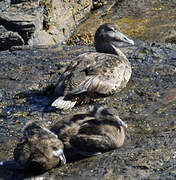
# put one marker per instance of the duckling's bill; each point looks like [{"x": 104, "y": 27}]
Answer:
[
  {"x": 59, "y": 153},
  {"x": 121, "y": 122}
]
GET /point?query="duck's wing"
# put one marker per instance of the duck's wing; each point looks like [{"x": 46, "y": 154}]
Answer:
[
  {"x": 69, "y": 127},
  {"x": 89, "y": 145},
  {"x": 74, "y": 74},
  {"x": 95, "y": 136},
  {"x": 101, "y": 73}
]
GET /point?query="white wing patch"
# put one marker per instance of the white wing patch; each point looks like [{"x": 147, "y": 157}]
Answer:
[{"x": 63, "y": 104}]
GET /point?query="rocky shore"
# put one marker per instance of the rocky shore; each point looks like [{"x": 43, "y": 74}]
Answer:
[
  {"x": 40, "y": 22},
  {"x": 147, "y": 104}
]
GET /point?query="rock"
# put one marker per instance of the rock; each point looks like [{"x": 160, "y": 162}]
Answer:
[
  {"x": 170, "y": 37},
  {"x": 4, "y": 5},
  {"x": 147, "y": 104},
  {"x": 44, "y": 23},
  {"x": 23, "y": 18},
  {"x": 141, "y": 20},
  {"x": 60, "y": 18},
  {"x": 9, "y": 38}
]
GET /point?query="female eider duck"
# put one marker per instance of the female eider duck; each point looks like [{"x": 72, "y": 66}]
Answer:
[
  {"x": 39, "y": 150},
  {"x": 95, "y": 73},
  {"x": 91, "y": 133}
]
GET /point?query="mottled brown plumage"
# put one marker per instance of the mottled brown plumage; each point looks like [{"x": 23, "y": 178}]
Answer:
[
  {"x": 91, "y": 133},
  {"x": 95, "y": 73},
  {"x": 39, "y": 149}
]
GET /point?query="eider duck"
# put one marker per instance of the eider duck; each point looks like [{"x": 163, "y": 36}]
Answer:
[
  {"x": 91, "y": 133},
  {"x": 39, "y": 150},
  {"x": 95, "y": 73}
]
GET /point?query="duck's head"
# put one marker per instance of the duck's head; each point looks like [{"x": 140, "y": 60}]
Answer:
[
  {"x": 50, "y": 143},
  {"x": 107, "y": 36},
  {"x": 39, "y": 150},
  {"x": 44, "y": 156},
  {"x": 109, "y": 114}
]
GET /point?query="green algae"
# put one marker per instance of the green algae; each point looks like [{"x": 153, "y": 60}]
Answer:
[
  {"x": 133, "y": 27},
  {"x": 47, "y": 19},
  {"x": 154, "y": 25},
  {"x": 97, "y": 4},
  {"x": 19, "y": 114}
]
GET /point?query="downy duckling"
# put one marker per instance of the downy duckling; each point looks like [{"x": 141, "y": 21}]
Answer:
[
  {"x": 40, "y": 149},
  {"x": 88, "y": 134}
]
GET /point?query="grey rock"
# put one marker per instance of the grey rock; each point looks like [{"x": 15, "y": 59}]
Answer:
[
  {"x": 4, "y": 5},
  {"x": 60, "y": 18},
  {"x": 9, "y": 39},
  {"x": 44, "y": 23},
  {"x": 21, "y": 18}
]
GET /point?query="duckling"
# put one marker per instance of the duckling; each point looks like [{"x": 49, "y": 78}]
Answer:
[
  {"x": 92, "y": 133},
  {"x": 95, "y": 74},
  {"x": 66, "y": 129},
  {"x": 40, "y": 149}
]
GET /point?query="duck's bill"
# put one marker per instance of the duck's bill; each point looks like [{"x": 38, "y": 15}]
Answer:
[
  {"x": 122, "y": 123},
  {"x": 63, "y": 159},
  {"x": 124, "y": 38},
  {"x": 59, "y": 153}
]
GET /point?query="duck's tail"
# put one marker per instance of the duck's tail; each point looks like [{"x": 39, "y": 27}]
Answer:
[{"x": 60, "y": 103}]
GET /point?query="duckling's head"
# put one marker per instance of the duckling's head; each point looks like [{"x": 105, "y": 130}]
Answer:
[
  {"x": 109, "y": 114},
  {"x": 107, "y": 36}
]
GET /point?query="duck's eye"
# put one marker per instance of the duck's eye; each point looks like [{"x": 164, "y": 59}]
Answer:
[
  {"x": 110, "y": 29},
  {"x": 55, "y": 148},
  {"x": 105, "y": 112}
]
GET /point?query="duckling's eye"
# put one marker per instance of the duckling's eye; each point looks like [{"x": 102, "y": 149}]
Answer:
[
  {"x": 110, "y": 29},
  {"x": 55, "y": 148}
]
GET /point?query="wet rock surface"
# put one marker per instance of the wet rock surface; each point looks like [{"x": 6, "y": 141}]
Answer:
[{"x": 147, "y": 104}]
